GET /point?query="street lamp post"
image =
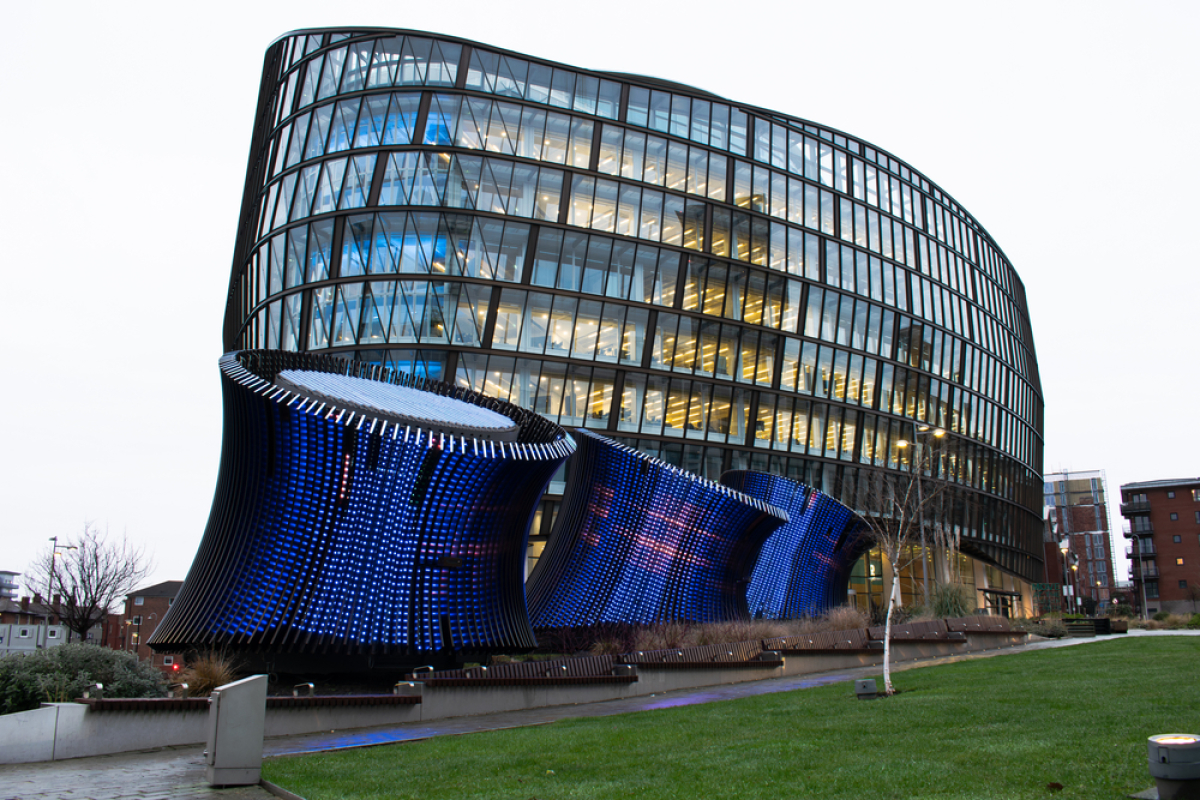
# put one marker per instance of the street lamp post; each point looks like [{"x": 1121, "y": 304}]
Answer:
[
  {"x": 137, "y": 635},
  {"x": 1064, "y": 546},
  {"x": 55, "y": 549},
  {"x": 1074, "y": 579}
]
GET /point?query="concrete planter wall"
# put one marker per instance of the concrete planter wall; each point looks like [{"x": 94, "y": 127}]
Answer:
[{"x": 71, "y": 730}]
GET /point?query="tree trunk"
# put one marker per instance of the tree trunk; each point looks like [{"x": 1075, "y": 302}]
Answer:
[{"x": 888, "y": 689}]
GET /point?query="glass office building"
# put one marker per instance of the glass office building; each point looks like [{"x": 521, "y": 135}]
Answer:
[{"x": 717, "y": 285}]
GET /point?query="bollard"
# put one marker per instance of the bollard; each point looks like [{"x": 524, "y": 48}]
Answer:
[
  {"x": 866, "y": 689},
  {"x": 1175, "y": 765},
  {"x": 237, "y": 715}
]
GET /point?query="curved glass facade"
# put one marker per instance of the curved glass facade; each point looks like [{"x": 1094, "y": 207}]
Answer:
[{"x": 717, "y": 285}]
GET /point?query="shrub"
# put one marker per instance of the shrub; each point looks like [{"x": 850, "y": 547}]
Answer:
[
  {"x": 952, "y": 600},
  {"x": 1194, "y": 622},
  {"x": 843, "y": 618},
  {"x": 1050, "y": 627},
  {"x": 607, "y": 647},
  {"x": 617, "y": 636},
  {"x": 1161, "y": 616},
  {"x": 716, "y": 633},
  {"x": 1120, "y": 611},
  {"x": 917, "y": 612},
  {"x": 765, "y": 629},
  {"x": 661, "y": 637},
  {"x": 613, "y": 638},
  {"x": 208, "y": 671},
  {"x": 60, "y": 674},
  {"x": 724, "y": 632}
]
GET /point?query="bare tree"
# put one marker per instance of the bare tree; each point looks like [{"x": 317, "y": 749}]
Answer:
[
  {"x": 897, "y": 506},
  {"x": 87, "y": 573}
]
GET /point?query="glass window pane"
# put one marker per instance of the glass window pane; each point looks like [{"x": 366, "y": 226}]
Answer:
[
  {"x": 634, "y": 336},
  {"x": 536, "y": 322},
  {"x": 507, "y": 333},
  {"x": 587, "y": 326},
  {"x": 611, "y": 139},
  {"x": 562, "y": 326},
  {"x": 721, "y": 234}
]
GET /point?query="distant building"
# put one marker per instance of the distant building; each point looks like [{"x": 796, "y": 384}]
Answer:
[
  {"x": 29, "y": 625},
  {"x": 1164, "y": 522},
  {"x": 144, "y": 611},
  {"x": 1077, "y": 507},
  {"x": 8, "y": 585}
]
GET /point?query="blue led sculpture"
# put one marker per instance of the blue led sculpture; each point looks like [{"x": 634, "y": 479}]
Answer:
[
  {"x": 640, "y": 541},
  {"x": 360, "y": 512},
  {"x": 804, "y": 567}
]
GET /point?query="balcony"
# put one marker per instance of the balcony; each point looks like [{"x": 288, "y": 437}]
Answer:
[
  {"x": 1135, "y": 507},
  {"x": 1148, "y": 571},
  {"x": 1146, "y": 550},
  {"x": 1143, "y": 529}
]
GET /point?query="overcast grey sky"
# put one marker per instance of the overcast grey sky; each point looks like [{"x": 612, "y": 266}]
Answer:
[{"x": 1065, "y": 128}]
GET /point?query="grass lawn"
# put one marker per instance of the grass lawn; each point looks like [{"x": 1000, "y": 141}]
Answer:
[{"x": 1003, "y": 727}]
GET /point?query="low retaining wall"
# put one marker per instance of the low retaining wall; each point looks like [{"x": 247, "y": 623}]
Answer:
[{"x": 72, "y": 730}]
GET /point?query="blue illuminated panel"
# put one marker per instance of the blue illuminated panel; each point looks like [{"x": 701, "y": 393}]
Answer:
[
  {"x": 804, "y": 567},
  {"x": 335, "y": 533},
  {"x": 640, "y": 541}
]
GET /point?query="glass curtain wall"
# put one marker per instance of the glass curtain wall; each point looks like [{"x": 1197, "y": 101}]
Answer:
[{"x": 718, "y": 285}]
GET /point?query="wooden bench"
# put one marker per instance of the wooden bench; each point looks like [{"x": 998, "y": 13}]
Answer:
[
  {"x": 561, "y": 672},
  {"x": 931, "y": 630},
  {"x": 981, "y": 625},
  {"x": 852, "y": 641},
  {"x": 723, "y": 656}
]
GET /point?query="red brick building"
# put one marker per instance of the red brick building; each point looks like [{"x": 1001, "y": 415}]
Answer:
[
  {"x": 1164, "y": 534},
  {"x": 144, "y": 611},
  {"x": 1077, "y": 509}
]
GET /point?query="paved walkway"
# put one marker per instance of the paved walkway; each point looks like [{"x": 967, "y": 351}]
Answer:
[{"x": 177, "y": 773}]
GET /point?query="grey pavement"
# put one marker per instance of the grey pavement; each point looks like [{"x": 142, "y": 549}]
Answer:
[{"x": 177, "y": 773}]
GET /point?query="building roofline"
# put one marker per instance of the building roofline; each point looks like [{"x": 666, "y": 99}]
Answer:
[
  {"x": 1163, "y": 484},
  {"x": 1074, "y": 474},
  {"x": 669, "y": 85},
  {"x": 164, "y": 589}
]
